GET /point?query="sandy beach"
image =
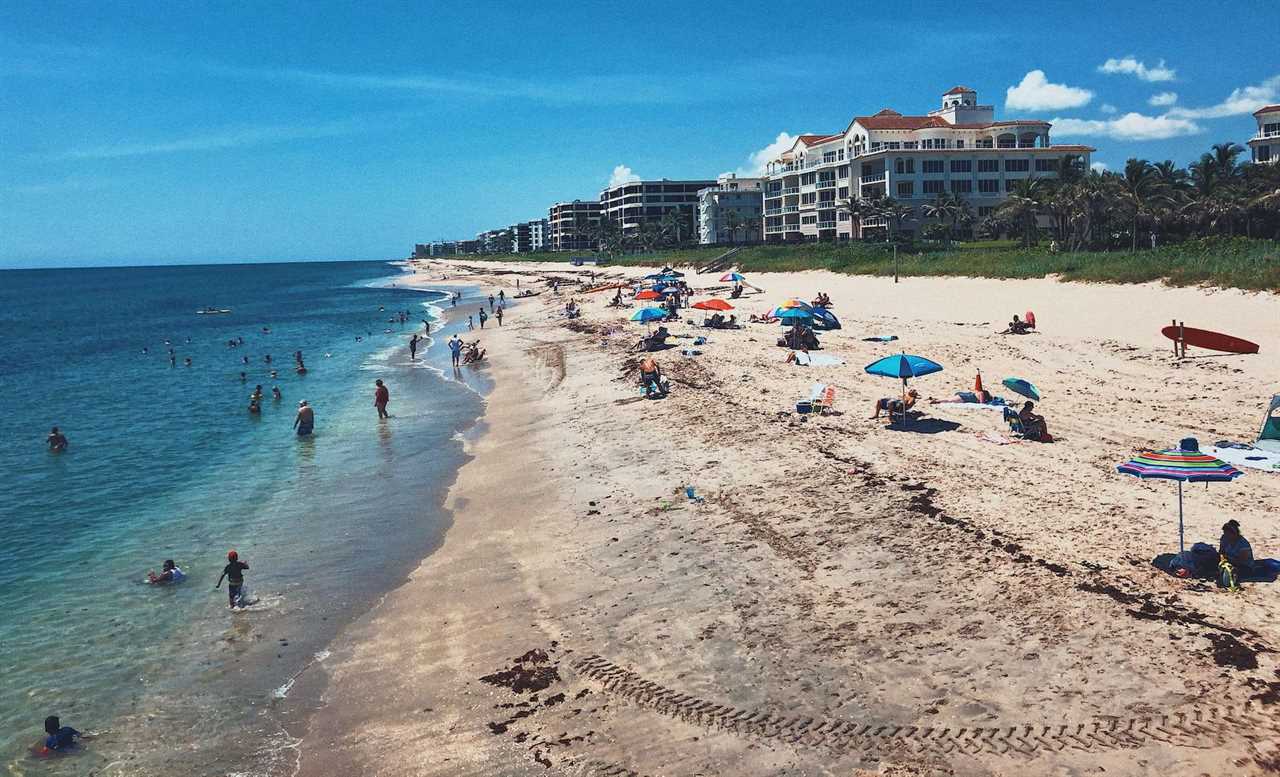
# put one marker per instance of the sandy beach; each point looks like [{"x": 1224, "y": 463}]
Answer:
[{"x": 844, "y": 597}]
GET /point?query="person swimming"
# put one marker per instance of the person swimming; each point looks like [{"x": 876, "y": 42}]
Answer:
[
  {"x": 275, "y": 394},
  {"x": 170, "y": 573},
  {"x": 57, "y": 441},
  {"x": 59, "y": 738}
]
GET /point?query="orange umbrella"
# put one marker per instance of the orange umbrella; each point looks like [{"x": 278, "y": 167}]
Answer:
[
  {"x": 713, "y": 304},
  {"x": 648, "y": 294}
]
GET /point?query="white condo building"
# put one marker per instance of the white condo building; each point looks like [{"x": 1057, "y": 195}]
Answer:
[
  {"x": 1265, "y": 146},
  {"x": 957, "y": 148},
  {"x": 731, "y": 211},
  {"x": 569, "y": 225},
  {"x": 633, "y": 204}
]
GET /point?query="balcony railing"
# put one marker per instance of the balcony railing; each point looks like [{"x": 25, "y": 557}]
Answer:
[
  {"x": 873, "y": 178},
  {"x": 791, "y": 209},
  {"x": 1266, "y": 135},
  {"x": 826, "y": 225},
  {"x": 773, "y": 229},
  {"x": 772, "y": 211},
  {"x": 831, "y": 184},
  {"x": 791, "y": 190}
]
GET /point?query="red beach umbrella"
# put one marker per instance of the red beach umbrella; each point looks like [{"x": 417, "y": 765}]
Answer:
[
  {"x": 648, "y": 294},
  {"x": 713, "y": 304}
]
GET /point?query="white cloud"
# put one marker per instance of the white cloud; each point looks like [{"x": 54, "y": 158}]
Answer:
[
  {"x": 1098, "y": 167},
  {"x": 1131, "y": 66},
  {"x": 1107, "y": 108},
  {"x": 1131, "y": 126},
  {"x": 758, "y": 159},
  {"x": 622, "y": 174},
  {"x": 1246, "y": 99},
  {"x": 1161, "y": 99},
  {"x": 232, "y": 137},
  {"x": 1035, "y": 93}
]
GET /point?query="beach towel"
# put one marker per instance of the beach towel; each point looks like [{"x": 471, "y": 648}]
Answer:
[
  {"x": 803, "y": 359},
  {"x": 995, "y": 438},
  {"x": 880, "y": 339},
  {"x": 1240, "y": 455},
  {"x": 997, "y": 404}
]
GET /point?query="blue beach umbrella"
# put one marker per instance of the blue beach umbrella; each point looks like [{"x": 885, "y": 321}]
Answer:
[
  {"x": 903, "y": 366},
  {"x": 789, "y": 315},
  {"x": 649, "y": 314}
]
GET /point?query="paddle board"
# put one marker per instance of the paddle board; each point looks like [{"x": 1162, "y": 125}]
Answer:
[{"x": 1211, "y": 341}]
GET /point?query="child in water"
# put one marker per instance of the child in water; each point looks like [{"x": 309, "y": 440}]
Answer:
[
  {"x": 170, "y": 573},
  {"x": 234, "y": 573},
  {"x": 59, "y": 738}
]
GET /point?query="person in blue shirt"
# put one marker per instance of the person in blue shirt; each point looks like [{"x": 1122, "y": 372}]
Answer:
[
  {"x": 171, "y": 573},
  {"x": 455, "y": 348},
  {"x": 60, "y": 738}
]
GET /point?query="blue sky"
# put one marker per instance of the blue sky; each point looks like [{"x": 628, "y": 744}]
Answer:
[{"x": 132, "y": 133}]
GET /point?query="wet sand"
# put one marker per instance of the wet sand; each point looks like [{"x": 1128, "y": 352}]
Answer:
[{"x": 849, "y": 598}]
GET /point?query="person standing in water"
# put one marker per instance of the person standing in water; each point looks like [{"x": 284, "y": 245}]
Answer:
[
  {"x": 275, "y": 394},
  {"x": 490, "y": 302},
  {"x": 170, "y": 573},
  {"x": 57, "y": 441},
  {"x": 305, "y": 421},
  {"x": 381, "y": 396},
  {"x": 413, "y": 346},
  {"x": 234, "y": 573},
  {"x": 455, "y": 348}
]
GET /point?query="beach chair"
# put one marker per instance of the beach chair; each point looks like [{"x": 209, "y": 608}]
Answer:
[
  {"x": 1015, "y": 423},
  {"x": 822, "y": 398}
]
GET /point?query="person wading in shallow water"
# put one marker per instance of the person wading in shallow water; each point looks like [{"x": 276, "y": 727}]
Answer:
[
  {"x": 234, "y": 573},
  {"x": 305, "y": 421},
  {"x": 381, "y": 396},
  {"x": 57, "y": 440}
]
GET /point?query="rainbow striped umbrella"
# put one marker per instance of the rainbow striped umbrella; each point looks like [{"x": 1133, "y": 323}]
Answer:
[{"x": 1185, "y": 464}]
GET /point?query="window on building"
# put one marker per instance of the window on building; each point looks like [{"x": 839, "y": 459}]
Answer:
[
  {"x": 842, "y": 215},
  {"x": 903, "y": 166},
  {"x": 988, "y": 165},
  {"x": 959, "y": 144},
  {"x": 843, "y": 192},
  {"x": 1017, "y": 165},
  {"x": 808, "y": 198},
  {"x": 962, "y": 165},
  {"x": 984, "y": 143},
  {"x": 807, "y": 178},
  {"x": 1264, "y": 153},
  {"x": 911, "y": 144},
  {"x": 933, "y": 187},
  {"x": 989, "y": 185},
  {"x": 842, "y": 171},
  {"x": 809, "y": 219},
  {"x": 962, "y": 186},
  {"x": 1046, "y": 165},
  {"x": 1271, "y": 129},
  {"x": 894, "y": 145},
  {"x": 1009, "y": 183},
  {"x": 931, "y": 165},
  {"x": 933, "y": 143}
]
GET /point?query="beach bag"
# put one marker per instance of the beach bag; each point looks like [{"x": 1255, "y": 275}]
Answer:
[{"x": 1227, "y": 575}]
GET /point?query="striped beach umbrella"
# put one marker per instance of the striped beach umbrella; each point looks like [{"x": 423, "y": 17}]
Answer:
[{"x": 1185, "y": 464}]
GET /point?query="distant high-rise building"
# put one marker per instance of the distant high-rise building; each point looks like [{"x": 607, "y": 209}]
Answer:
[
  {"x": 731, "y": 211},
  {"x": 569, "y": 225},
  {"x": 631, "y": 205}
]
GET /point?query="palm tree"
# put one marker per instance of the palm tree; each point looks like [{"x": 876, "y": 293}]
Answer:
[
  {"x": 1141, "y": 190},
  {"x": 948, "y": 209},
  {"x": 1224, "y": 158},
  {"x": 751, "y": 226},
  {"x": 673, "y": 223},
  {"x": 894, "y": 213},
  {"x": 732, "y": 222},
  {"x": 1022, "y": 208}
]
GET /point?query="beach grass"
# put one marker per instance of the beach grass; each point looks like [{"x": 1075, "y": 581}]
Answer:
[{"x": 1239, "y": 263}]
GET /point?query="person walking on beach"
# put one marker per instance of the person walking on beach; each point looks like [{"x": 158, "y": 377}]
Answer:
[
  {"x": 234, "y": 573},
  {"x": 483, "y": 317},
  {"x": 413, "y": 346},
  {"x": 381, "y": 396},
  {"x": 491, "y": 302},
  {"x": 58, "y": 441},
  {"x": 455, "y": 348},
  {"x": 502, "y": 295},
  {"x": 305, "y": 421},
  {"x": 498, "y": 313},
  {"x": 471, "y": 325}
]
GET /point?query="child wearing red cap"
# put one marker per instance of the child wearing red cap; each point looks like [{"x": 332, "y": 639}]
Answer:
[{"x": 234, "y": 573}]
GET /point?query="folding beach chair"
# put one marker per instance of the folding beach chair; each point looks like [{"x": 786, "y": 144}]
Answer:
[
  {"x": 1015, "y": 423},
  {"x": 822, "y": 397}
]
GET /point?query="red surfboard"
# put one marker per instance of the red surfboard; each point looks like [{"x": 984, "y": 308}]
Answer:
[{"x": 1211, "y": 341}]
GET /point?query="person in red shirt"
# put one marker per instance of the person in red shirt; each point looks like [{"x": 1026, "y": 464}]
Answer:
[{"x": 380, "y": 398}]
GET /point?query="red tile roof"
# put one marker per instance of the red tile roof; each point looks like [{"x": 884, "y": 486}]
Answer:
[
  {"x": 1266, "y": 109},
  {"x": 891, "y": 120},
  {"x": 957, "y": 90}
]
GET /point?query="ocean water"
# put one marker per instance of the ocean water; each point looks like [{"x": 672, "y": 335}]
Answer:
[{"x": 165, "y": 461}]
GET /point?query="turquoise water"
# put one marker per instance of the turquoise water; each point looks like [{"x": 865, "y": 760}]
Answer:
[{"x": 166, "y": 462}]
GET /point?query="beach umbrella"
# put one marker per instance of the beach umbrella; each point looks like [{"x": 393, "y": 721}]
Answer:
[
  {"x": 649, "y": 314},
  {"x": 796, "y": 303},
  {"x": 1185, "y": 464},
  {"x": 733, "y": 277},
  {"x": 1024, "y": 387},
  {"x": 713, "y": 304},
  {"x": 649, "y": 294},
  {"x": 903, "y": 366},
  {"x": 790, "y": 315}
]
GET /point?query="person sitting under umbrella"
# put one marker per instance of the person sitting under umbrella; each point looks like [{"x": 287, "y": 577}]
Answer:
[
  {"x": 1034, "y": 426},
  {"x": 822, "y": 301},
  {"x": 651, "y": 378},
  {"x": 894, "y": 405},
  {"x": 1235, "y": 549},
  {"x": 737, "y": 291}
]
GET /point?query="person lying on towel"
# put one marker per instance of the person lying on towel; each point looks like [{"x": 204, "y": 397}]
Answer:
[
  {"x": 894, "y": 406},
  {"x": 980, "y": 397}
]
